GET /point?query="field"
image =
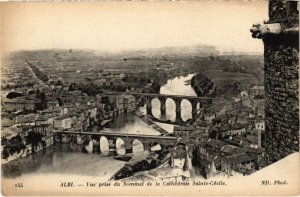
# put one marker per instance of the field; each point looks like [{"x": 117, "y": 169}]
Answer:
[
  {"x": 82, "y": 66},
  {"x": 218, "y": 77}
]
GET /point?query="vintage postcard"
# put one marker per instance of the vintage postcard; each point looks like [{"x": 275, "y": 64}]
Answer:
[{"x": 150, "y": 98}]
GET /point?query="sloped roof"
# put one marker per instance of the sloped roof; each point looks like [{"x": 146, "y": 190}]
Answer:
[
  {"x": 10, "y": 132},
  {"x": 215, "y": 143},
  {"x": 232, "y": 149},
  {"x": 238, "y": 159},
  {"x": 257, "y": 88},
  {"x": 26, "y": 118},
  {"x": 5, "y": 122}
]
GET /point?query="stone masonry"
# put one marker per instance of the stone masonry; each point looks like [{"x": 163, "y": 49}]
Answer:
[{"x": 281, "y": 55}]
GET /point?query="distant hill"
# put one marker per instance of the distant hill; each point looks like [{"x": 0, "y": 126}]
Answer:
[{"x": 200, "y": 50}]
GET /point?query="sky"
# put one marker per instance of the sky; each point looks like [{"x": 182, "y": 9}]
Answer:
[{"x": 117, "y": 26}]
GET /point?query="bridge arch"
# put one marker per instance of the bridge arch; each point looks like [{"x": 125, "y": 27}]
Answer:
[
  {"x": 155, "y": 103},
  {"x": 170, "y": 109},
  {"x": 186, "y": 112},
  {"x": 120, "y": 146},
  {"x": 170, "y": 103},
  {"x": 137, "y": 146},
  {"x": 104, "y": 145}
]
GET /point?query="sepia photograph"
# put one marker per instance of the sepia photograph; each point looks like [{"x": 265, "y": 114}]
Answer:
[{"x": 150, "y": 98}]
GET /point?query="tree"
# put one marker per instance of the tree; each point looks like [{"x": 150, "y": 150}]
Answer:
[
  {"x": 59, "y": 101},
  {"x": 72, "y": 87},
  {"x": 12, "y": 95},
  {"x": 58, "y": 83},
  {"x": 30, "y": 92},
  {"x": 34, "y": 139},
  {"x": 43, "y": 102},
  {"x": 104, "y": 99},
  {"x": 155, "y": 87},
  {"x": 213, "y": 134}
]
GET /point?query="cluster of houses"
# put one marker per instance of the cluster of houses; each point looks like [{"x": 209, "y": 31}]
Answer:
[
  {"x": 73, "y": 111},
  {"x": 16, "y": 76},
  {"x": 254, "y": 99},
  {"x": 227, "y": 136},
  {"x": 60, "y": 109},
  {"x": 235, "y": 155},
  {"x": 20, "y": 79},
  {"x": 19, "y": 104},
  {"x": 103, "y": 79},
  {"x": 108, "y": 78},
  {"x": 174, "y": 165}
]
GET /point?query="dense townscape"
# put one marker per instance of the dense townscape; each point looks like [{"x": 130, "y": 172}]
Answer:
[
  {"x": 53, "y": 97},
  {"x": 150, "y": 98}
]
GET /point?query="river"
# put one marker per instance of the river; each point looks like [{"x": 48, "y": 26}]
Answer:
[{"x": 69, "y": 159}]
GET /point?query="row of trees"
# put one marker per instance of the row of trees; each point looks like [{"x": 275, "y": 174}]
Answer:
[
  {"x": 136, "y": 79},
  {"x": 15, "y": 86},
  {"x": 92, "y": 89},
  {"x": 42, "y": 76}
]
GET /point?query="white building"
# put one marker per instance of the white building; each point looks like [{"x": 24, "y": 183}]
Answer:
[
  {"x": 260, "y": 125},
  {"x": 63, "y": 122}
]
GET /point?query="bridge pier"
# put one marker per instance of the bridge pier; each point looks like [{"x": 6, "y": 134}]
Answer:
[
  {"x": 147, "y": 146},
  {"x": 148, "y": 106},
  {"x": 163, "y": 110},
  {"x": 162, "y": 105},
  {"x": 178, "y": 104},
  {"x": 128, "y": 146},
  {"x": 112, "y": 146},
  {"x": 178, "y": 118},
  {"x": 178, "y": 110},
  {"x": 149, "y": 111},
  {"x": 194, "y": 107}
]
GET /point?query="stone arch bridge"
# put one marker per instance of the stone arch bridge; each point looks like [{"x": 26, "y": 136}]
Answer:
[
  {"x": 147, "y": 98},
  {"x": 147, "y": 140}
]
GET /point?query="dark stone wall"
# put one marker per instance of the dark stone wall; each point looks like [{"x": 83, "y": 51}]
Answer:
[
  {"x": 282, "y": 101},
  {"x": 281, "y": 53}
]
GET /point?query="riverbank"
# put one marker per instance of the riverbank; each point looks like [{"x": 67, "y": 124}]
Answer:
[{"x": 151, "y": 123}]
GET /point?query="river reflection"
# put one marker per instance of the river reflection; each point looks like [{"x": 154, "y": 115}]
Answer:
[
  {"x": 62, "y": 159},
  {"x": 131, "y": 124}
]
